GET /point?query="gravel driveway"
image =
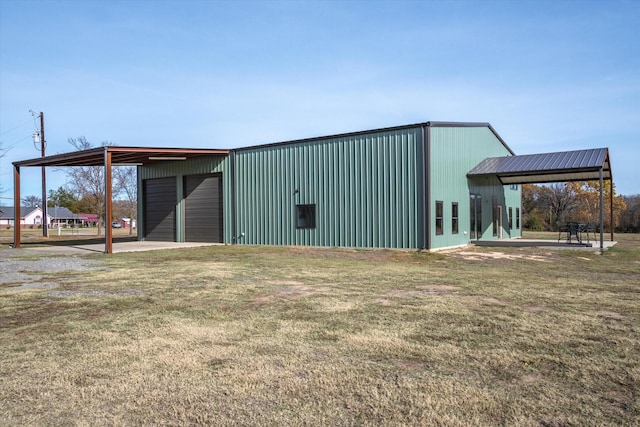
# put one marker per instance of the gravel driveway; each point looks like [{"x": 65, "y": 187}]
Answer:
[{"x": 20, "y": 269}]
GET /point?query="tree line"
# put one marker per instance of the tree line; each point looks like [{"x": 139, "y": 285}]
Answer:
[{"x": 547, "y": 207}]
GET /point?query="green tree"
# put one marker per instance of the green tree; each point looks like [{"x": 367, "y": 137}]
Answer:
[{"x": 63, "y": 198}]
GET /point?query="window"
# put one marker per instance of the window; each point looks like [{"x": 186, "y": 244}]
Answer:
[
  {"x": 305, "y": 216},
  {"x": 518, "y": 218},
  {"x": 510, "y": 218},
  {"x": 439, "y": 218},
  {"x": 494, "y": 204},
  {"x": 475, "y": 202},
  {"x": 454, "y": 217}
]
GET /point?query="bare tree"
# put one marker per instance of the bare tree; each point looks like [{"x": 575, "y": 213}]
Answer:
[
  {"x": 32, "y": 201},
  {"x": 87, "y": 182},
  {"x": 3, "y": 153},
  {"x": 125, "y": 180},
  {"x": 559, "y": 199}
]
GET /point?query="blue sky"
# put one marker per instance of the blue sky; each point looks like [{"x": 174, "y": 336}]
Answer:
[{"x": 548, "y": 75}]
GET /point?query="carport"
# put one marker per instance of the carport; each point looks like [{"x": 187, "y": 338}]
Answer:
[
  {"x": 107, "y": 157},
  {"x": 568, "y": 166}
]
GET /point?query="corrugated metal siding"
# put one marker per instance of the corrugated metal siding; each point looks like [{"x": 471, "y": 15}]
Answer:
[
  {"x": 454, "y": 152},
  {"x": 365, "y": 188}
]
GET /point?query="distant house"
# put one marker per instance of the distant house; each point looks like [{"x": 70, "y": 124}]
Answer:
[
  {"x": 88, "y": 220},
  {"x": 30, "y": 216}
]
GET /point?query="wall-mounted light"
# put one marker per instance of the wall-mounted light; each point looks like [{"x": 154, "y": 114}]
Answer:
[{"x": 296, "y": 191}]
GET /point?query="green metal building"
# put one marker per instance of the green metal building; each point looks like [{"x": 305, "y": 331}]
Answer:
[{"x": 399, "y": 187}]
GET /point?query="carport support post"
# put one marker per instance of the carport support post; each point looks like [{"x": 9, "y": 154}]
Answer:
[
  {"x": 108, "y": 237},
  {"x": 16, "y": 203}
]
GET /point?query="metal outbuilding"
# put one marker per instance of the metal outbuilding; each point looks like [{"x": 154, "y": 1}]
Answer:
[{"x": 429, "y": 185}]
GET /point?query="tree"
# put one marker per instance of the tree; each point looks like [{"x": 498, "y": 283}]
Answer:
[
  {"x": 87, "y": 182},
  {"x": 32, "y": 201},
  {"x": 3, "y": 153},
  {"x": 550, "y": 205},
  {"x": 125, "y": 180},
  {"x": 630, "y": 219},
  {"x": 532, "y": 216},
  {"x": 63, "y": 198},
  {"x": 588, "y": 209},
  {"x": 559, "y": 200}
]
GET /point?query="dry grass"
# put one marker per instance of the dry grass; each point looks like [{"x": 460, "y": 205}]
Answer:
[{"x": 297, "y": 336}]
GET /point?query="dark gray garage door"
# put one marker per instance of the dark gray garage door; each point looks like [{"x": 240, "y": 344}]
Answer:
[
  {"x": 160, "y": 209},
  {"x": 203, "y": 208}
]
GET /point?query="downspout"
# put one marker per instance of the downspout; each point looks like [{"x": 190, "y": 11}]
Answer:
[{"x": 232, "y": 173}]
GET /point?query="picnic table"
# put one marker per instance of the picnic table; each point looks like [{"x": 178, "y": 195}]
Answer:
[{"x": 577, "y": 229}]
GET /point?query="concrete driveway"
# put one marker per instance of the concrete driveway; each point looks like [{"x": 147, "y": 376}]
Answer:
[{"x": 118, "y": 247}]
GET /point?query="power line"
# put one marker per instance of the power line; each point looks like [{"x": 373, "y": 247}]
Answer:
[{"x": 12, "y": 129}]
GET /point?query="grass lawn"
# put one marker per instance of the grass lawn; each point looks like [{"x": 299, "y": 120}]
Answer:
[{"x": 241, "y": 335}]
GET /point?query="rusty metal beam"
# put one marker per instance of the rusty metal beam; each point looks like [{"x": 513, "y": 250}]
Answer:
[
  {"x": 16, "y": 207},
  {"x": 108, "y": 231}
]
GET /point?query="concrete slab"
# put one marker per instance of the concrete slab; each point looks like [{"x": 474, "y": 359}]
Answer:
[
  {"x": 118, "y": 247},
  {"x": 548, "y": 244}
]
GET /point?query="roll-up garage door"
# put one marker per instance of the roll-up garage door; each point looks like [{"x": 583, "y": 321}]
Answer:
[
  {"x": 203, "y": 208},
  {"x": 160, "y": 209}
]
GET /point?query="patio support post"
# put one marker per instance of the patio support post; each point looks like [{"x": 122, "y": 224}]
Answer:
[
  {"x": 16, "y": 207},
  {"x": 108, "y": 232},
  {"x": 611, "y": 206},
  {"x": 601, "y": 211}
]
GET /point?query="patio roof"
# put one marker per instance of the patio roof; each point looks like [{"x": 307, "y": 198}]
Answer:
[{"x": 580, "y": 165}]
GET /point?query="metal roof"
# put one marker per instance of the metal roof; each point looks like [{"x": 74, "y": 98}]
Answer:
[
  {"x": 580, "y": 165},
  {"x": 119, "y": 156},
  {"x": 8, "y": 212},
  {"x": 432, "y": 124}
]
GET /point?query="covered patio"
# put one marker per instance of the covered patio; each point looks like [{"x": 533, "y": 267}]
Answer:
[
  {"x": 568, "y": 166},
  {"x": 107, "y": 157}
]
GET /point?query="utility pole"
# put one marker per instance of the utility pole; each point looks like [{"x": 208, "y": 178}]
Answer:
[
  {"x": 45, "y": 227},
  {"x": 36, "y": 137}
]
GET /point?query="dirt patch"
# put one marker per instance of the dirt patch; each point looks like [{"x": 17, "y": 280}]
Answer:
[
  {"x": 488, "y": 300},
  {"x": 438, "y": 289},
  {"x": 294, "y": 291},
  {"x": 494, "y": 255},
  {"x": 408, "y": 364},
  {"x": 285, "y": 282},
  {"x": 385, "y": 302},
  {"x": 528, "y": 379},
  {"x": 610, "y": 315},
  {"x": 423, "y": 290}
]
